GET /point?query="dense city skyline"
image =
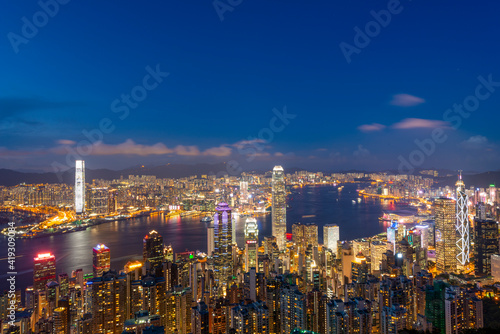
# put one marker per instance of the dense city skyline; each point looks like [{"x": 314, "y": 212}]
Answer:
[
  {"x": 249, "y": 167},
  {"x": 353, "y": 102}
]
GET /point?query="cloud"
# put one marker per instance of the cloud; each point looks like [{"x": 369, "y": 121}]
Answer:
[
  {"x": 475, "y": 143},
  {"x": 8, "y": 154},
  {"x": 221, "y": 151},
  {"x": 414, "y": 123},
  {"x": 252, "y": 142},
  {"x": 129, "y": 147},
  {"x": 371, "y": 127},
  {"x": 361, "y": 152},
  {"x": 406, "y": 100},
  {"x": 66, "y": 142}
]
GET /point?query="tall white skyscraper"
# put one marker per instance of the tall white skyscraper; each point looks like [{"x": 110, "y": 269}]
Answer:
[
  {"x": 462, "y": 211},
  {"x": 279, "y": 206},
  {"x": 79, "y": 186},
  {"x": 251, "y": 243},
  {"x": 243, "y": 191},
  {"x": 331, "y": 235}
]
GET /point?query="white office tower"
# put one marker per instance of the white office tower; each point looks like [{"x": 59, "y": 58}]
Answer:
[
  {"x": 462, "y": 211},
  {"x": 331, "y": 235},
  {"x": 243, "y": 192},
  {"x": 279, "y": 206},
  {"x": 251, "y": 244},
  {"x": 79, "y": 187},
  {"x": 210, "y": 240}
]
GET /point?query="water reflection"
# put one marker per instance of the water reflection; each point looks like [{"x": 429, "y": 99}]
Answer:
[{"x": 321, "y": 205}]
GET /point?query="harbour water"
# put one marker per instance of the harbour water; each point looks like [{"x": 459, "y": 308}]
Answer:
[{"x": 317, "y": 204}]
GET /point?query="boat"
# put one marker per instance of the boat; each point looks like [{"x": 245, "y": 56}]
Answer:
[
  {"x": 206, "y": 219},
  {"x": 353, "y": 202}
]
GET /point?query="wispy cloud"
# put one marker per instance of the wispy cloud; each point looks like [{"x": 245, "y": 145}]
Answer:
[
  {"x": 361, "y": 152},
  {"x": 66, "y": 142},
  {"x": 130, "y": 147},
  {"x": 406, "y": 100},
  {"x": 476, "y": 143},
  {"x": 414, "y": 123},
  {"x": 371, "y": 127},
  {"x": 221, "y": 151}
]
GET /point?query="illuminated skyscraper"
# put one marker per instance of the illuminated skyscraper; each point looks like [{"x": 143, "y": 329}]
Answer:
[
  {"x": 210, "y": 240},
  {"x": 223, "y": 243},
  {"x": 251, "y": 243},
  {"x": 152, "y": 250},
  {"x": 101, "y": 259},
  {"x": 446, "y": 235},
  {"x": 485, "y": 245},
  {"x": 462, "y": 224},
  {"x": 99, "y": 201},
  {"x": 279, "y": 206},
  {"x": 44, "y": 271},
  {"x": 108, "y": 295},
  {"x": 79, "y": 187},
  {"x": 331, "y": 236},
  {"x": 243, "y": 191}
]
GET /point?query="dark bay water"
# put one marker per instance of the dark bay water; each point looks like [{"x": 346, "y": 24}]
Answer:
[{"x": 322, "y": 204}]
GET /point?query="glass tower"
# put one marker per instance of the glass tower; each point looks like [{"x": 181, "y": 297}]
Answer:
[
  {"x": 79, "y": 187},
  {"x": 446, "y": 235},
  {"x": 279, "y": 206},
  {"x": 463, "y": 242}
]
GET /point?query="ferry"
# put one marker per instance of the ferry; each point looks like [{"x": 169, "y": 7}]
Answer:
[{"x": 206, "y": 219}]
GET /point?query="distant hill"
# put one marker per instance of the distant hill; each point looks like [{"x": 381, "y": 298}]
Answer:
[
  {"x": 10, "y": 177},
  {"x": 481, "y": 180}
]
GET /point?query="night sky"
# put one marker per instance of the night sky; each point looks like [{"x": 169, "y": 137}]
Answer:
[{"x": 320, "y": 85}]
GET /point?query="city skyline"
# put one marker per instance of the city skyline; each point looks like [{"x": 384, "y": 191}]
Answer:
[
  {"x": 321, "y": 95},
  {"x": 237, "y": 167}
]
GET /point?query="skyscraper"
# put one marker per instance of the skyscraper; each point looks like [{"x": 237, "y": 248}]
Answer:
[
  {"x": 331, "y": 236},
  {"x": 485, "y": 245},
  {"x": 251, "y": 243},
  {"x": 279, "y": 206},
  {"x": 99, "y": 201},
  {"x": 223, "y": 242},
  {"x": 101, "y": 259},
  {"x": 210, "y": 240},
  {"x": 446, "y": 235},
  {"x": 462, "y": 212},
  {"x": 79, "y": 187},
  {"x": 44, "y": 271},
  {"x": 152, "y": 250},
  {"x": 243, "y": 191}
]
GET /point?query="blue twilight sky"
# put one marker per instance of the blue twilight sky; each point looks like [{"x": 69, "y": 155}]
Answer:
[{"x": 358, "y": 93}]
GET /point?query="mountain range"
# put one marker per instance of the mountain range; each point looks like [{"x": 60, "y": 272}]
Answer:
[{"x": 10, "y": 177}]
